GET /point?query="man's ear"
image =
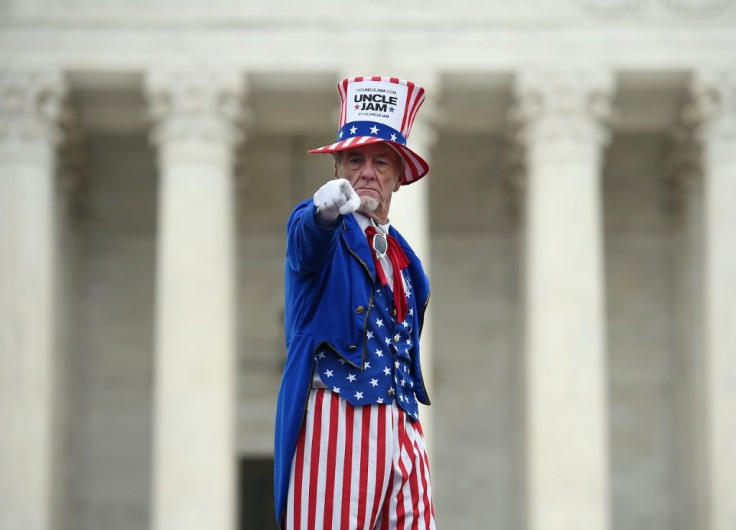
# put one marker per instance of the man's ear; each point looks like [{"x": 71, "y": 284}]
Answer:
[
  {"x": 398, "y": 184},
  {"x": 336, "y": 172}
]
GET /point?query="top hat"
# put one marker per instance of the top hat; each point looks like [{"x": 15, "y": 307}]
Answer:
[{"x": 379, "y": 109}]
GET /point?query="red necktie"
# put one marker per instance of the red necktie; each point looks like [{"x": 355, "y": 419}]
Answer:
[{"x": 399, "y": 262}]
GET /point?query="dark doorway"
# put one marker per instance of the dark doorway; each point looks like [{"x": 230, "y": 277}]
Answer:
[{"x": 256, "y": 494}]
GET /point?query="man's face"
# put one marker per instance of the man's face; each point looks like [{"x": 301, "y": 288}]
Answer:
[{"x": 374, "y": 173}]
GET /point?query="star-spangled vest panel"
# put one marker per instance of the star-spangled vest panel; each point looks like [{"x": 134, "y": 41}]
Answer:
[{"x": 387, "y": 375}]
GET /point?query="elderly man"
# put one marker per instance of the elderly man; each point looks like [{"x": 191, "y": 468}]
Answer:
[{"x": 349, "y": 448}]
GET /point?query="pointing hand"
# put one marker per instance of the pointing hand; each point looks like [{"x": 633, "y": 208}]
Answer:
[{"x": 335, "y": 198}]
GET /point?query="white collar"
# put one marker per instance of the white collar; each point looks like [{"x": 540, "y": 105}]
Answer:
[{"x": 364, "y": 222}]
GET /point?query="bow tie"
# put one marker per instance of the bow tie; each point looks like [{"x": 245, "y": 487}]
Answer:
[{"x": 383, "y": 245}]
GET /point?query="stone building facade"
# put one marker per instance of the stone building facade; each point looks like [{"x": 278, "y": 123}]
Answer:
[{"x": 578, "y": 228}]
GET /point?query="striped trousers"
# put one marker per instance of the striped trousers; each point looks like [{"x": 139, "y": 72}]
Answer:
[{"x": 358, "y": 468}]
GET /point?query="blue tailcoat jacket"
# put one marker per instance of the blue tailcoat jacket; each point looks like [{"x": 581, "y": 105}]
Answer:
[{"x": 329, "y": 282}]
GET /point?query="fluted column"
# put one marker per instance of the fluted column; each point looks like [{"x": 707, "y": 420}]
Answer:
[
  {"x": 567, "y": 476},
  {"x": 194, "y": 461},
  {"x": 410, "y": 215},
  {"x": 30, "y": 105},
  {"x": 715, "y": 103}
]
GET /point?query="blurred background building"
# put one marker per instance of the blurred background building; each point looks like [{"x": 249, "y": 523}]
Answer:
[{"x": 578, "y": 226}]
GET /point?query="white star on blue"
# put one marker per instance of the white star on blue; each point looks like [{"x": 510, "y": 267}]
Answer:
[{"x": 386, "y": 375}]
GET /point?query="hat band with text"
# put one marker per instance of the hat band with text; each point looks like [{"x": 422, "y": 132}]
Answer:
[{"x": 370, "y": 128}]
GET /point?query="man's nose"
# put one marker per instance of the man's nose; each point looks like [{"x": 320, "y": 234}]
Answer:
[{"x": 368, "y": 171}]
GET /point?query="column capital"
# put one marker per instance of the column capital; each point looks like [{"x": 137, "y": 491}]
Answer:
[
  {"x": 562, "y": 104},
  {"x": 196, "y": 105},
  {"x": 31, "y": 105},
  {"x": 713, "y": 105}
]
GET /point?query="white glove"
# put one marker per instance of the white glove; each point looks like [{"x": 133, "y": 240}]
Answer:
[{"x": 335, "y": 198}]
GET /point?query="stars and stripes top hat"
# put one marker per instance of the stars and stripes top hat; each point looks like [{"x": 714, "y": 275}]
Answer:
[{"x": 379, "y": 109}]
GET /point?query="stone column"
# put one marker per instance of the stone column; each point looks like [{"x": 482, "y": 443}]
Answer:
[
  {"x": 194, "y": 460},
  {"x": 715, "y": 104},
  {"x": 567, "y": 476},
  {"x": 410, "y": 215},
  {"x": 30, "y": 105}
]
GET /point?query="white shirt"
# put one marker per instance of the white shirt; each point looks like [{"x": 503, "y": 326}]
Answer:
[{"x": 364, "y": 222}]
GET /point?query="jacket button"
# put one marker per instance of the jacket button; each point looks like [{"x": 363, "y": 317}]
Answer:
[
  {"x": 393, "y": 313},
  {"x": 390, "y": 391},
  {"x": 396, "y": 338},
  {"x": 359, "y": 309},
  {"x": 352, "y": 347}
]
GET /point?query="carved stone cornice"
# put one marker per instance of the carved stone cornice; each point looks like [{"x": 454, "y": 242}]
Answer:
[
  {"x": 562, "y": 106},
  {"x": 410, "y": 13},
  {"x": 712, "y": 110},
  {"x": 31, "y": 106},
  {"x": 690, "y": 10},
  {"x": 196, "y": 105},
  {"x": 699, "y": 8},
  {"x": 622, "y": 7}
]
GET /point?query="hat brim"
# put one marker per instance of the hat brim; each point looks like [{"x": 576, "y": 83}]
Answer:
[{"x": 415, "y": 167}]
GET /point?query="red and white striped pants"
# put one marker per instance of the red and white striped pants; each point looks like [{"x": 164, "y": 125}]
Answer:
[{"x": 358, "y": 468}]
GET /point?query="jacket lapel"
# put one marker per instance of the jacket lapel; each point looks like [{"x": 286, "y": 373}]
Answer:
[{"x": 357, "y": 244}]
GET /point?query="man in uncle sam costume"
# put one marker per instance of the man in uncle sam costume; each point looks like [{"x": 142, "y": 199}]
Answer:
[{"x": 349, "y": 448}]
